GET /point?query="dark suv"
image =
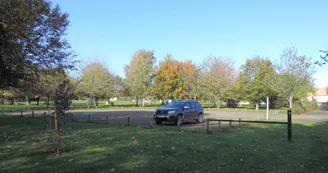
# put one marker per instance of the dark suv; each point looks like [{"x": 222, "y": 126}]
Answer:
[{"x": 179, "y": 111}]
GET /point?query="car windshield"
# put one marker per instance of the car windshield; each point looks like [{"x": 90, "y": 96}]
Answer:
[{"x": 175, "y": 104}]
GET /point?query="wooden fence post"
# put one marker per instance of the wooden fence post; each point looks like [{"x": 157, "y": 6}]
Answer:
[
  {"x": 107, "y": 119},
  {"x": 32, "y": 114},
  {"x": 219, "y": 124},
  {"x": 239, "y": 121},
  {"x": 208, "y": 126},
  {"x": 128, "y": 121},
  {"x": 21, "y": 113},
  {"x": 89, "y": 118},
  {"x": 289, "y": 125},
  {"x": 230, "y": 123}
]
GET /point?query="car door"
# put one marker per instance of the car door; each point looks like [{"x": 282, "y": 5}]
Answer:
[
  {"x": 187, "y": 111},
  {"x": 194, "y": 111}
]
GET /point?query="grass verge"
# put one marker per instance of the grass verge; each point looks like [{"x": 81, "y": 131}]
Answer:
[{"x": 27, "y": 147}]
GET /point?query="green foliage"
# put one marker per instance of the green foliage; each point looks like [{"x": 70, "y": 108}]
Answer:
[
  {"x": 97, "y": 81},
  {"x": 252, "y": 74},
  {"x": 140, "y": 73},
  {"x": 32, "y": 39},
  {"x": 63, "y": 95},
  {"x": 294, "y": 78},
  {"x": 301, "y": 107},
  {"x": 276, "y": 102}
]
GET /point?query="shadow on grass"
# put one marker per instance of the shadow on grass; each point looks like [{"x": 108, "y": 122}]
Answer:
[{"x": 108, "y": 148}]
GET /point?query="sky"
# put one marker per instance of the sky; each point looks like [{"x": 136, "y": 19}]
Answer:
[{"x": 110, "y": 31}]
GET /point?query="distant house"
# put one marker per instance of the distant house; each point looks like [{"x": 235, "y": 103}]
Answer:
[{"x": 320, "y": 95}]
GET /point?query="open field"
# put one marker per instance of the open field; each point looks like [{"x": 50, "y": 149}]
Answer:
[{"x": 27, "y": 147}]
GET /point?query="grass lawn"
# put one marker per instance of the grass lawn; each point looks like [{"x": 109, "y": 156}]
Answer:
[{"x": 27, "y": 147}]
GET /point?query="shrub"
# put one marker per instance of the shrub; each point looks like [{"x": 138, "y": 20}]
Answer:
[{"x": 300, "y": 107}]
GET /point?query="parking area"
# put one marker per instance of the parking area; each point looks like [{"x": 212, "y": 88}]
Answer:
[{"x": 144, "y": 117}]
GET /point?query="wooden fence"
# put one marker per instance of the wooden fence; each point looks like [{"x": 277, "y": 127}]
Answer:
[{"x": 288, "y": 123}]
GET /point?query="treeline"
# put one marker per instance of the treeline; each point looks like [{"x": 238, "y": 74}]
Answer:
[{"x": 287, "y": 81}]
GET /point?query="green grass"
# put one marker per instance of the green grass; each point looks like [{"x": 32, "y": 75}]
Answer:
[{"x": 26, "y": 147}]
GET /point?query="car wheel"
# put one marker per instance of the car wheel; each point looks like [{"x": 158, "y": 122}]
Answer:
[
  {"x": 179, "y": 120},
  {"x": 159, "y": 122},
  {"x": 199, "y": 118}
]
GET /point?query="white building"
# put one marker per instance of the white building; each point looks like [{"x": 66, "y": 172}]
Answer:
[{"x": 320, "y": 95}]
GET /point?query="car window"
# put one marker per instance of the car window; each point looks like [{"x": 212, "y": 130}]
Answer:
[
  {"x": 193, "y": 105},
  {"x": 198, "y": 104},
  {"x": 187, "y": 105},
  {"x": 175, "y": 104}
]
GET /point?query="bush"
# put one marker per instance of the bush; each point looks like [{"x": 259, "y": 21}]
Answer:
[
  {"x": 297, "y": 108},
  {"x": 310, "y": 105},
  {"x": 232, "y": 103},
  {"x": 300, "y": 107}
]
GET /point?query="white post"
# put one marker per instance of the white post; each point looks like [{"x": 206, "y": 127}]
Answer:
[{"x": 267, "y": 104}]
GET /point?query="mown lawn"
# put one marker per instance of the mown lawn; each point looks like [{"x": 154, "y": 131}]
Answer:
[{"x": 27, "y": 147}]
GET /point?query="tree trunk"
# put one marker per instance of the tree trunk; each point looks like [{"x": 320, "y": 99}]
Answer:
[
  {"x": 256, "y": 106},
  {"x": 48, "y": 98},
  {"x": 290, "y": 100},
  {"x": 57, "y": 134},
  {"x": 217, "y": 103},
  {"x": 137, "y": 101},
  {"x": 91, "y": 100},
  {"x": 28, "y": 100},
  {"x": 96, "y": 101},
  {"x": 143, "y": 102}
]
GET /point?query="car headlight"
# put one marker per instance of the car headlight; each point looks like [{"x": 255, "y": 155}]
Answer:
[{"x": 171, "y": 112}]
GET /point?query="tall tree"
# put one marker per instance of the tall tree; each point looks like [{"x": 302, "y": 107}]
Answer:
[
  {"x": 140, "y": 72},
  {"x": 252, "y": 76},
  {"x": 190, "y": 75},
  {"x": 217, "y": 78},
  {"x": 32, "y": 38},
  {"x": 168, "y": 83},
  {"x": 294, "y": 75},
  {"x": 97, "y": 82}
]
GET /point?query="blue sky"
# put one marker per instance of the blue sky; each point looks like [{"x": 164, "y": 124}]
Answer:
[{"x": 110, "y": 31}]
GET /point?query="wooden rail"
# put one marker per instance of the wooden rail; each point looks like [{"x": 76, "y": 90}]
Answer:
[{"x": 288, "y": 123}]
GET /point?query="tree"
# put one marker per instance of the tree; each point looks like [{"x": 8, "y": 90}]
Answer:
[
  {"x": 218, "y": 75},
  {"x": 233, "y": 95},
  {"x": 252, "y": 76},
  {"x": 97, "y": 82},
  {"x": 140, "y": 73},
  {"x": 168, "y": 83},
  {"x": 190, "y": 75},
  {"x": 32, "y": 38},
  {"x": 62, "y": 95},
  {"x": 294, "y": 75}
]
